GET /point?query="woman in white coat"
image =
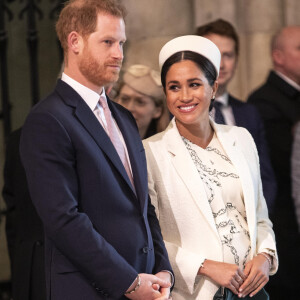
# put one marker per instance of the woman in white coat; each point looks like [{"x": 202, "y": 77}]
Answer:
[{"x": 204, "y": 181}]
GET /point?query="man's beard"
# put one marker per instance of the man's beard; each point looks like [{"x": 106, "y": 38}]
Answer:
[{"x": 96, "y": 73}]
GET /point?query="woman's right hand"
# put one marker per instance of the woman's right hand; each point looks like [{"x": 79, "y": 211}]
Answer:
[{"x": 224, "y": 274}]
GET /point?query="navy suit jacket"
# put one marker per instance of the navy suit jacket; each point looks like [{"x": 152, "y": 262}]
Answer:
[
  {"x": 99, "y": 233},
  {"x": 24, "y": 229},
  {"x": 247, "y": 116}
]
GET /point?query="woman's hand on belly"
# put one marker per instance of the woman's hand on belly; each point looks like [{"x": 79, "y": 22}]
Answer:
[{"x": 224, "y": 274}]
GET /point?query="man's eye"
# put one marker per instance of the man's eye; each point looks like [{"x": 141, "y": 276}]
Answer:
[{"x": 108, "y": 42}]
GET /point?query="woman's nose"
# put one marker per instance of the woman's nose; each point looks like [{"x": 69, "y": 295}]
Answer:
[{"x": 186, "y": 95}]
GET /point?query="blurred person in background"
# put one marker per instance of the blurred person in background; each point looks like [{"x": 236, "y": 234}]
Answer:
[
  {"x": 232, "y": 111},
  {"x": 24, "y": 229},
  {"x": 140, "y": 91},
  {"x": 296, "y": 172},
  {"x": 278, "y": 101}
]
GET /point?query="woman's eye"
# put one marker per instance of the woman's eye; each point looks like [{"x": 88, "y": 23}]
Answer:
[
  {"x": 124, "y": 99},
  {"x": 173, "y": 87},
  {"x": 195, "y": 84},
  {"x": 140, "y": 102}
]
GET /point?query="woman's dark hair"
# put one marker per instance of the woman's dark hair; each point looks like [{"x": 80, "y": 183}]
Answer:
[{"x": 203, "y": 63}]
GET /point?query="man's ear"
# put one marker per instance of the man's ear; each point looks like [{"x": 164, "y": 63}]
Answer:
[
  {"x": 75, "y": 42},
  {"x": 277, "y": 56}
]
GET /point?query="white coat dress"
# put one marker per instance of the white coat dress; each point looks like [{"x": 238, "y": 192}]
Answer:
[{"x": 183, "y": 210}]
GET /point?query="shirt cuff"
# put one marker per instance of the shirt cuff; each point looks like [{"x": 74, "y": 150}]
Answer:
[{"x": 172, "y": 277}]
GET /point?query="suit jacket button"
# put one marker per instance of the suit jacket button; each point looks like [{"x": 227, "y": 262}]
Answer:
[{"x": 145, "y": 250}]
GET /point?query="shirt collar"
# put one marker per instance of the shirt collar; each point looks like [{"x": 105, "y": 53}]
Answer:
[
  {"x": 288, "y": 80},
  {"x": 89, "y": 96},
  {"x": 223, "y": 99}
]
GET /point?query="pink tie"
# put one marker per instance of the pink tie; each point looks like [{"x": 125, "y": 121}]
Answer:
[{"x": 114, "y": 137}]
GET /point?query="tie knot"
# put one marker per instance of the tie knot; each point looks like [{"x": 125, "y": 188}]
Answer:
[{"x": 103, "y": 102}]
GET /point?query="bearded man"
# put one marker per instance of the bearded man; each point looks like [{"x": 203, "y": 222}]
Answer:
[{"x": 86, "y": 171}]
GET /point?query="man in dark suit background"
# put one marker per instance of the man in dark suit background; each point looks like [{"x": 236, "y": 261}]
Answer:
[
  {"x": 232, "y": 111},
  {"x": 86, "y": 171},
  {"x": 278, "y": 101},
  {"x": 24, "y": 230}
]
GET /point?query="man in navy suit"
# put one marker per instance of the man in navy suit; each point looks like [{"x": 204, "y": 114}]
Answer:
[
  {"x": 232, "y": 111},
  {"x": 102, "y": 237}
]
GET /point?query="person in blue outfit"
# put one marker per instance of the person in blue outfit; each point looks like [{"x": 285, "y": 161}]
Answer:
[
  {"x": 86, "y": 171},
  {"x": 24, "y": 229},
  {"x": 231, "y": 111}
]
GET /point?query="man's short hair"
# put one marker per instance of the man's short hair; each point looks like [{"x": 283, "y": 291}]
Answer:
[
  {"x": 220, "y": 27},
  {"x": 81, "y": 16}
]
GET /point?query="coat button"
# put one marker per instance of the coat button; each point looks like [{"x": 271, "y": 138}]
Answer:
[{"x": 145, "y": 250}]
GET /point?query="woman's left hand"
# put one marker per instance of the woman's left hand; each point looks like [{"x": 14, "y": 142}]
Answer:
[{"x": 257, "y": 273}]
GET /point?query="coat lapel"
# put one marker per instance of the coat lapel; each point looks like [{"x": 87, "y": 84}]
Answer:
[
  {"x": 238, "y": 116},
  {"x": 232, "y": 146},
  {"x": 88, "y": 120},
  {"x": 188, "y": 173},
  {"x": 135, "y": 151}
]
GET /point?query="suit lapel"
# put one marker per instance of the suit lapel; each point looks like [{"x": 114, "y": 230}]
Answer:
[
  {"x": 238, "y": 116},
  {"x": 188, "y": 173},
  {"x": 235, "y": 110},
  {"x": 232, "y": 147},
  {"x": 135, "y": 151},
  {"x": 88, "y": 120}
]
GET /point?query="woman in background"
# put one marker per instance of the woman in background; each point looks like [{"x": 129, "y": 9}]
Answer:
[
  {"x": 204, "y": 181},
  {"x": 142, "y": 94}
]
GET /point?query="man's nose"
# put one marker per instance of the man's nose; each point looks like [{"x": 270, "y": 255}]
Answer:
[{"x": 118, "y": 52}]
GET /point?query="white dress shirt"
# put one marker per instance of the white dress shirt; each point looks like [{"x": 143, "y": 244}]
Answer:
[
  {"x": 92, "y": 100},
  {"x": 225, "y": 109},
  {"x": 289, "y": 81}
]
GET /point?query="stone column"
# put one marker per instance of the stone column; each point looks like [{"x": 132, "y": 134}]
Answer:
[
  {"x": 149, "y": 24},
  {"x": 207, "y": 11},
  {"x": 261, "y": 19},
  {"x": 291, "y": 12}
]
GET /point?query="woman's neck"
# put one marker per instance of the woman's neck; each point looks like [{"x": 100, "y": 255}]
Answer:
[{"x": 199, "y": 134}]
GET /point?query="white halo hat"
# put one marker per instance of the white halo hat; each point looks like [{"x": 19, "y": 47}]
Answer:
[{"x": 192, "y": 43}]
